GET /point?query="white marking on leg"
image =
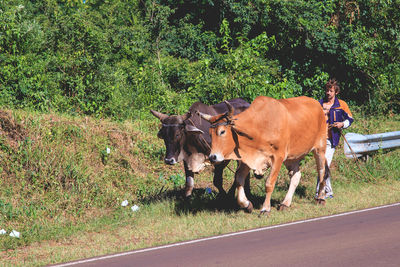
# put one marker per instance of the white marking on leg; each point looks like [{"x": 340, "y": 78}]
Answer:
[
  {"x": 242, "y": 199},
  {"x": 189, "y": 185},
  {"x": 189, "y": 181},
  {"x": 294, "y": 182}
]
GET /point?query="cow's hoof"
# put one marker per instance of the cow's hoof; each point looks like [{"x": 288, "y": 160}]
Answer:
[
  {"x": 188, "y": 192},
  {"x": 264, "y": 213},
  {"x": 321, "y": 202},
  {"x": 282, "y": 207},
  {"x": 187, "y": 195},
  {"x": 249, "y": 208}
]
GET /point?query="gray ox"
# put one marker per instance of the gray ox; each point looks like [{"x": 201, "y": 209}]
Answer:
[{"x": 187, "y": 138}]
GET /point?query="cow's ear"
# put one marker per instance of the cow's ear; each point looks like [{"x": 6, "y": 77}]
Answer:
[
  {"x": 241, "y": 133},
  {"x": 192, "y": 129},
  {"x": 158, "y": 114}
]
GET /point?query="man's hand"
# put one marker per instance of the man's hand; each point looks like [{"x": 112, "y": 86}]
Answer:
[{"x": 338, "y": 125}]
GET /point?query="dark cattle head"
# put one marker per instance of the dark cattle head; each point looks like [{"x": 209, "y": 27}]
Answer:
[{"x": 174, "y": 132}]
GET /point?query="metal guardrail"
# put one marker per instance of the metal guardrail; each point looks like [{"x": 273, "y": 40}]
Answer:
[{"x": 364, "y": 144}]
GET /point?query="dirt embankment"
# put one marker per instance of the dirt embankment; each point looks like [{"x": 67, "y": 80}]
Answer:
[{"x": 10, "y": 130}]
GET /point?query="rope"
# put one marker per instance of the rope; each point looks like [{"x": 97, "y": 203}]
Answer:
[
  {"x": 330, "y": 126},
  {"x": 358, "y": 162},
  {"x": 356, "y": 159}
]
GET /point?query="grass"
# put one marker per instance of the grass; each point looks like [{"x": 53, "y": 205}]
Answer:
[{"x": 62, "y": 190}]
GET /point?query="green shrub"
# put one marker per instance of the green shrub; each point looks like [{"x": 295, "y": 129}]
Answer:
[{"x": 120, "y": 58}]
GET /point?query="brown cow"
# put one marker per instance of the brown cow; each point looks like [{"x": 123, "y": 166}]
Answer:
[{"x": 271, "y": 132}]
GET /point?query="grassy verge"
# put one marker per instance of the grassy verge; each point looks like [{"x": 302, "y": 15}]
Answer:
[{"x": 63, "y": 180}]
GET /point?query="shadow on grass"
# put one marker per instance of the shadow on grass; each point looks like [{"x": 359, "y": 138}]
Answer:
[{"x": 201, "y": 200}]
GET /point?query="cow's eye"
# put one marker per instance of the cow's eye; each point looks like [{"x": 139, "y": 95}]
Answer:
[{"x": 222, "y": 132}]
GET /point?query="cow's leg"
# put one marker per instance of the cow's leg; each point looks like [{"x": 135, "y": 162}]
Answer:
[
  {"x": 323, "y": 171},
  {"x": 240, "y": 176},
  {"x": 231, "y": 192},
  {"x": 189, "y": 180},
  {"x": 218, "y": 170},
  {"x": 270, "y": 184},
  {"x": 247, "y": 185},
  {"x": 295, "y": 175}
]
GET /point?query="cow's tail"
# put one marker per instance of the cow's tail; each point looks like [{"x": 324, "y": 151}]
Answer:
[{"x": 327, "y": 171}]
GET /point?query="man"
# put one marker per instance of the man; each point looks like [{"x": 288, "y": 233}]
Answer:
[{"x": 338, "y": 116}]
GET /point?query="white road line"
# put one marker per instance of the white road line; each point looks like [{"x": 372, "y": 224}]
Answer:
[{"x": 221, "y": 236}]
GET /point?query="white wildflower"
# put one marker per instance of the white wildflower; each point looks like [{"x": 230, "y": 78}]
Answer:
[
  {"x": 14, "y": 234},
  {"x": 135, "y": 208}
]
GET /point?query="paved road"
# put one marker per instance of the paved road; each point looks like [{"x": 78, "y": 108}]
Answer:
[{"x": 367, "y": 238}]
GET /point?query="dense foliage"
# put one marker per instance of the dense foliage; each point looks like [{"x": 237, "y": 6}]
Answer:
[{"x": 118, "y": 58}]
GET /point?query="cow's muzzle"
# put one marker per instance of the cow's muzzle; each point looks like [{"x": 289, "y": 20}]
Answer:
[
  {"x": 214, "y": 158},
  {"x": 170, "y": 161}
]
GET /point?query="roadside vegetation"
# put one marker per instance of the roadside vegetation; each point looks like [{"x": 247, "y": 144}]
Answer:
[
  {"x": 77, "y": 80},
  {"x": 118, "y": 58}
]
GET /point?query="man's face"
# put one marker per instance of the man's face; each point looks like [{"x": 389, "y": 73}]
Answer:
[{"x": 330, "y": 93}]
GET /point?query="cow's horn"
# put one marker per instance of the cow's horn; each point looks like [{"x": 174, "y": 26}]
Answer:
[
  {"x": 230, "y": 109},
  {"x": 158, "y": 114},
  {"x": 205, "y": 116}
]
